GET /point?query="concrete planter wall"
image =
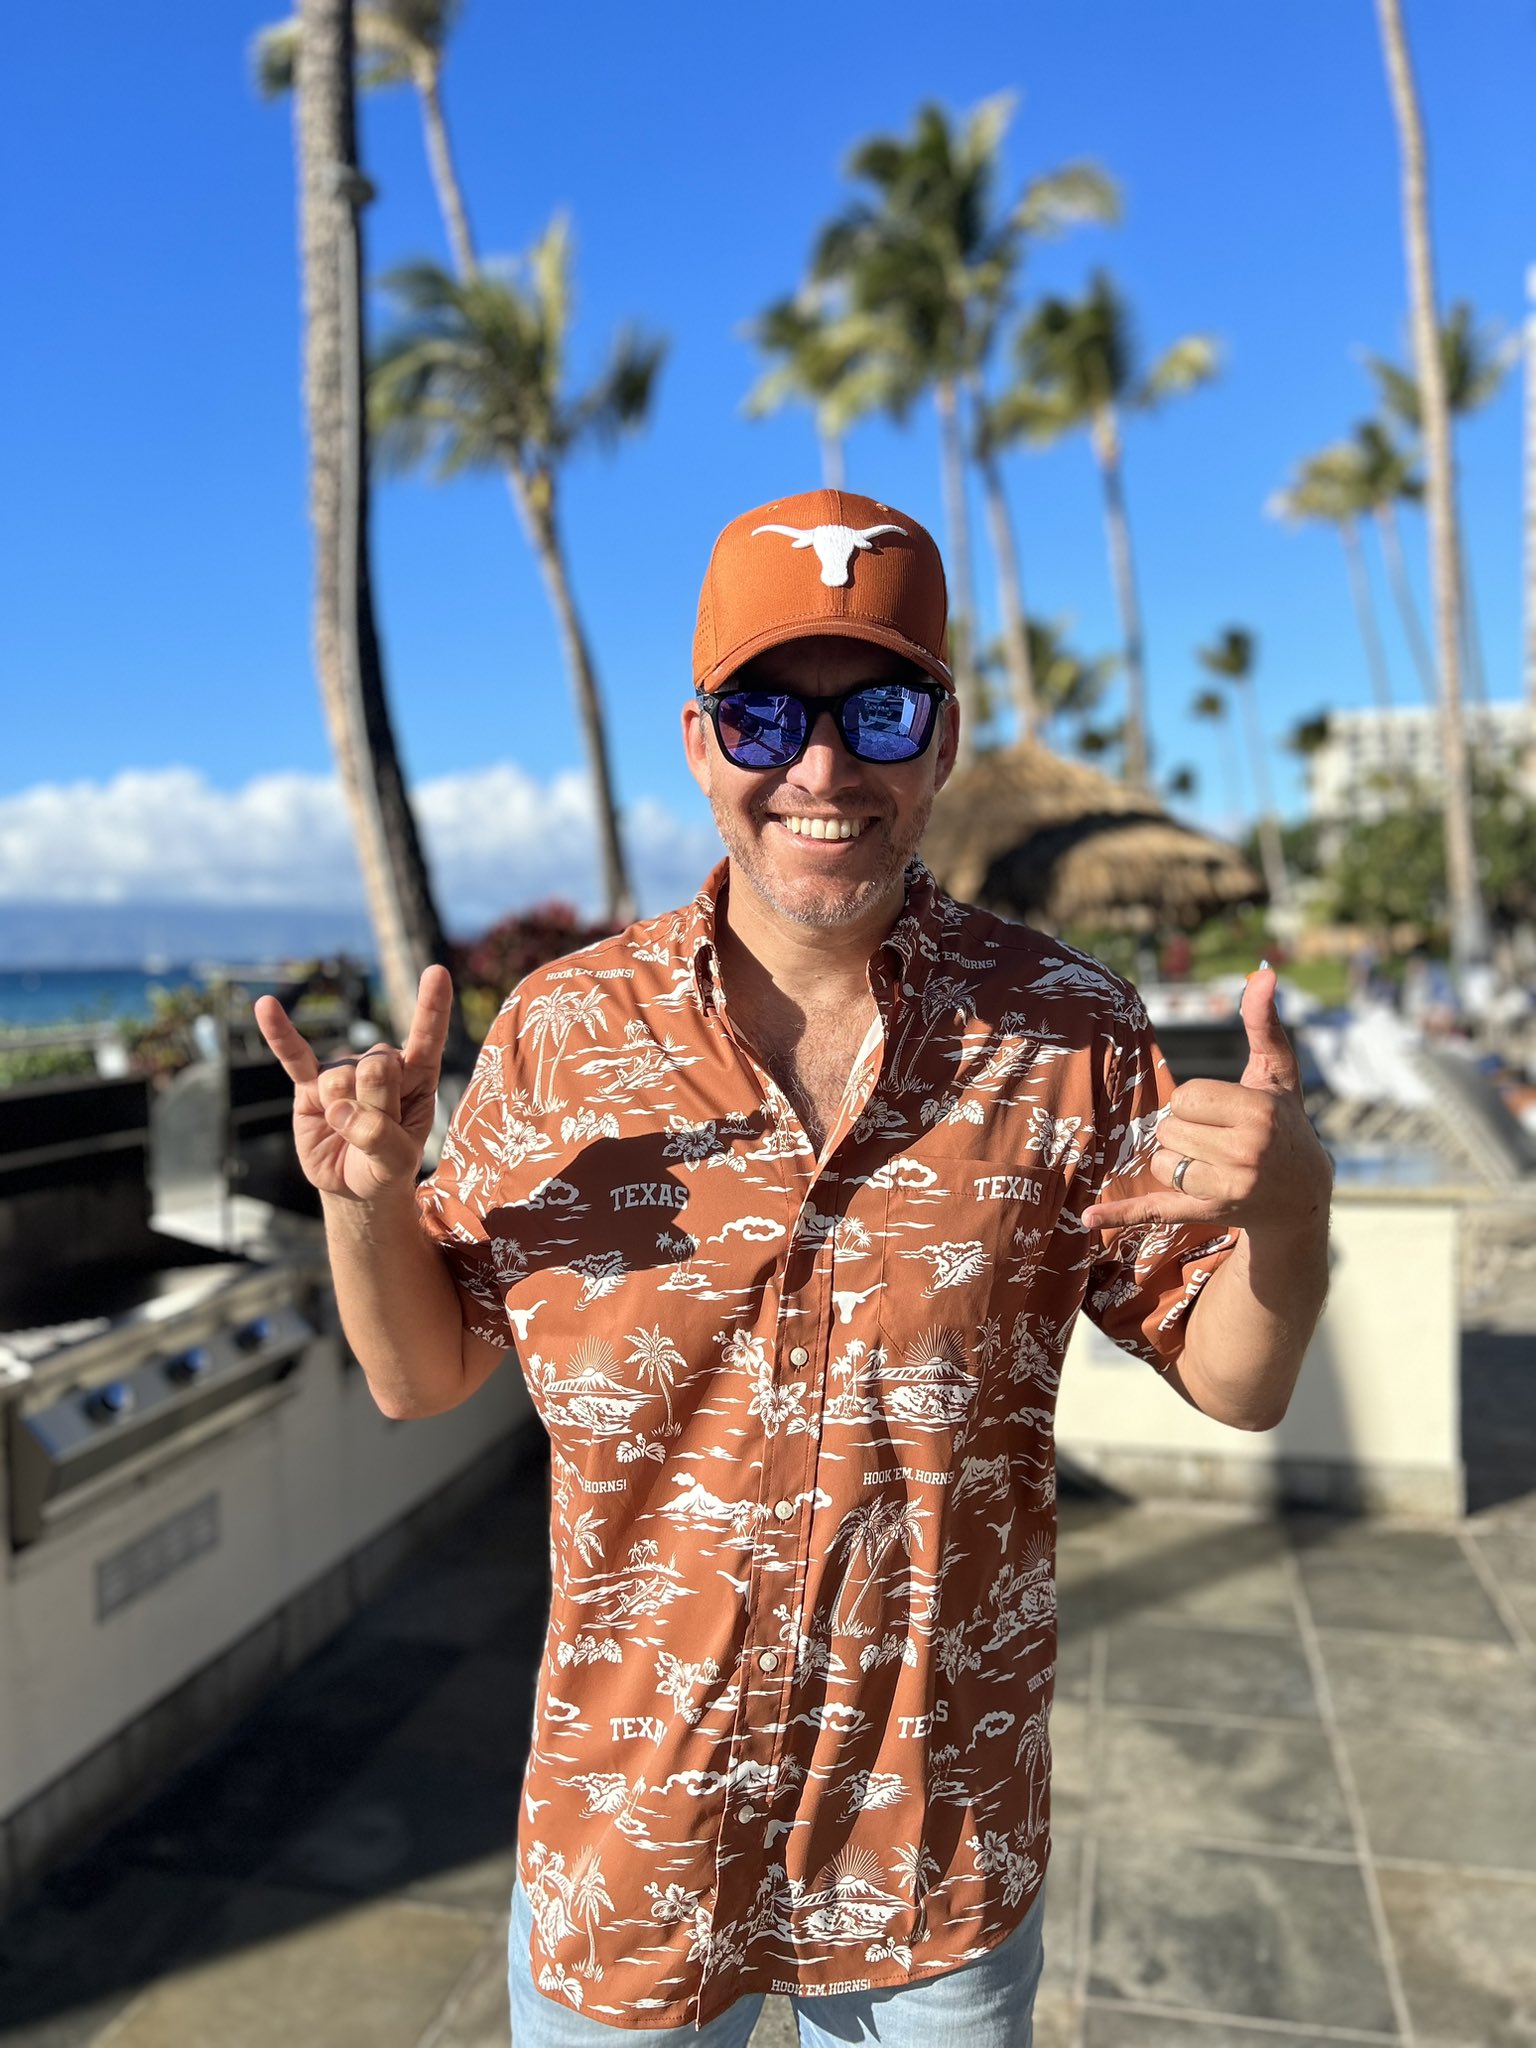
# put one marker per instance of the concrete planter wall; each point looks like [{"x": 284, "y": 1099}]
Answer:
[{"x": 1375, "y": 1421}]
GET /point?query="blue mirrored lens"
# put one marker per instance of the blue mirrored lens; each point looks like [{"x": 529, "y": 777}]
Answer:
[
  {"x": 759, "y": 729},
  {"x": 887, "y": 722}
]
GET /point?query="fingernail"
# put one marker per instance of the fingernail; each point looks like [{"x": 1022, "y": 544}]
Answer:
[
  {"x": 340, "y": 1114},
  {"x": 1262, "y": 965}
]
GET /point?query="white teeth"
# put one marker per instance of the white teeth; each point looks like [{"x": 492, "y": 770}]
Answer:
[{"x": 824, "y": 828}]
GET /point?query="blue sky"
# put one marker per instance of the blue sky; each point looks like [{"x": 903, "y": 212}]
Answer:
[{"x": 155, "y": 529}]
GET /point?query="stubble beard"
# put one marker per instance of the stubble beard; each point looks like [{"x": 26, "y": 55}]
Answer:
[{"x": 828, "y": 904}]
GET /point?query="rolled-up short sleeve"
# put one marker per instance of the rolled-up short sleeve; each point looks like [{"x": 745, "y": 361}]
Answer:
[
  {"x": 454, "y": 1200},
  {"x": 1147, "y": 1277}
]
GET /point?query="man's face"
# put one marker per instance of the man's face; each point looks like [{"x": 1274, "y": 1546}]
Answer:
[{"x": 821, "y": 882}]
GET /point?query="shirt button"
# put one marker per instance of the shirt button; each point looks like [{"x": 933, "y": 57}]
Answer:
[
  {"x": 767, "y": 1660},
  {"x": 784, "y": 1509},
  {"x": 746, "y": 1813},
  {"x": 799, "y": 1356}
]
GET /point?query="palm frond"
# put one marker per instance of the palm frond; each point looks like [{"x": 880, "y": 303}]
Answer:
[
  {"x": 1399, "y": 392},
  {"x": 275, "y": 58},
  {"x": 1186, "y": 365},
  {"x": 1036, "y": 414},
  {"x": 1386, "y": 470},
  {"x": 549, "y": 268},
  {"x": 1231, "y": 656},
  {"x": 1328, "y": 486},
  {"x": 387, "y": 53},
  {"x": 469, "y": 377},
  {"x": 426, "y": 23},
  {"x": 622, "y": 396},
  {"x": 1078, "y": 193}
]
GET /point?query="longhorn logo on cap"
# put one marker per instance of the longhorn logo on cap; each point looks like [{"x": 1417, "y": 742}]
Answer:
[{"x": 835, "y": 545}]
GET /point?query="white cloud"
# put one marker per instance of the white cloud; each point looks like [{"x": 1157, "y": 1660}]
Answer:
[{"x": 497, "y": 840}]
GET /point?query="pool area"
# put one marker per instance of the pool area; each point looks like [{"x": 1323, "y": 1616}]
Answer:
[{"x": 1389, "y": 1166}]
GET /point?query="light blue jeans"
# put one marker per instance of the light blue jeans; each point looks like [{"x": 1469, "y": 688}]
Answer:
[{"x": 988, "y": 2003}]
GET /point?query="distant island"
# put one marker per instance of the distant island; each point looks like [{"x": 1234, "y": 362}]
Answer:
[{"x": 35, "y": 934}]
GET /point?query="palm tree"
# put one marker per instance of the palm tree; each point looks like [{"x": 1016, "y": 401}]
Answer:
[
  {"x": 1469, "y": 925},
  {"x": 883, "y": 1525},
  {"x": 1232, "y": 658},
  {"x": 349, "y": 661},
  {"x": 1077, "y": 369},
  {"x": 1067, "y": 684},
  {"x": 1329, "y": 488},
  {"x": 589, "y": 1896},
  {"x": 1210, "y": 706},
  {"x": 930, "y": 258},
  {"x": 656, "y": 1357},
  {"x": 1387, "y": 477},
  {"x": 933, "y": 259},
  {"x": 1309, "y": 735},
  {"x": 826, "y": 358},
  {"x": 1474, "y": 363},
  {"x": 1081, "y": 192},
  {"x": 474, "y": 376},
  {"x": 398, "y": 42}
]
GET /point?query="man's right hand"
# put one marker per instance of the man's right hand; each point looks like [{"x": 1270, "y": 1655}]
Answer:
[{"x": 360, "y": 1125}]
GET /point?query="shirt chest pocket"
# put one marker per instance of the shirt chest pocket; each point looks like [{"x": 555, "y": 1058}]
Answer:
[{"x": 964, "y": 1238}]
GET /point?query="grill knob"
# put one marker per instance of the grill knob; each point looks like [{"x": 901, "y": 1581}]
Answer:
[
  {"x": 251, "y": 1336},
  {"x": 112, "y": 1402},
  {"x": 188, "y": 1366}
]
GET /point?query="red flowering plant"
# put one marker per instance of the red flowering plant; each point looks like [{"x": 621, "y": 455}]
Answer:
[{"x": 487, "y": 969}]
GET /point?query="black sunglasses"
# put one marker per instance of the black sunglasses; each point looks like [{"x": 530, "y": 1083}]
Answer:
[{"x": 762, "y": 728}]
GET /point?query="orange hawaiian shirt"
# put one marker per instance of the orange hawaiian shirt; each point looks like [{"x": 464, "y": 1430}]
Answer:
[{"x": 791, "y": 1721}]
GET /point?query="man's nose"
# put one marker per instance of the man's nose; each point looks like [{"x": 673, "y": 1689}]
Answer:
[{"x": 826, "y": 762}]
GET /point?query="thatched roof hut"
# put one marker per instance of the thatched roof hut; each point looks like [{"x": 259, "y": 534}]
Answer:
[{"x": 1054, "y": 842}]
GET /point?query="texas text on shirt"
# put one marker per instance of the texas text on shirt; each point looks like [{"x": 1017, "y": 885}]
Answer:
[{"x": 791, "y": 1720}]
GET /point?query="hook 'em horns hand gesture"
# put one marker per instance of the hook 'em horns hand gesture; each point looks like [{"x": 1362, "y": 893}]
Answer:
[
  {"x": 1254, "y": 1160},
  {"x": 361, "y": 1124}
]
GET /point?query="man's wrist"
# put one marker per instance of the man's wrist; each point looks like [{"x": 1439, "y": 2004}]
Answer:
[{"x": 366, "y": 1217}]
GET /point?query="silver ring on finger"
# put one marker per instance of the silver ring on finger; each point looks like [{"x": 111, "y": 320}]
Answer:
[{"x": 1179, "y": 1172}]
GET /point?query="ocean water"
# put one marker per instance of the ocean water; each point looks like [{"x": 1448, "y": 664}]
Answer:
[{"x": 31, "y": 997}]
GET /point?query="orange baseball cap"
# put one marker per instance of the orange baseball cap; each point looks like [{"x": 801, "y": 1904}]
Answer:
[{"x": 822, "y": 562}]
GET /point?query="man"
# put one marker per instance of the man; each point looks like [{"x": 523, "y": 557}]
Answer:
[{"x": 790, "y": 1198}]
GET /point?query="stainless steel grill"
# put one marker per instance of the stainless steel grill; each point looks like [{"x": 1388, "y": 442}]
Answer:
[{"x": 121, "y": 1345}]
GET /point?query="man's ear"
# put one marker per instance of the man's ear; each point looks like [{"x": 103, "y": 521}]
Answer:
[
  {"x": 949, "y": 742},
  {"x": 696, "y": 744}
]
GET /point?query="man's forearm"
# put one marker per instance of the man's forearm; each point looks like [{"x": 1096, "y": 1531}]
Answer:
[
  {"x": 1250, "y": 1327},
  {"x": 398, "y": 1304}
]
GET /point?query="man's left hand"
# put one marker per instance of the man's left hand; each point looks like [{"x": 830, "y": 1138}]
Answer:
[{"x": 1255, "y": 1161}]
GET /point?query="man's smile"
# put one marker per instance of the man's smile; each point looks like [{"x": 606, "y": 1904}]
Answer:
[{"x": 819, "y": 827}]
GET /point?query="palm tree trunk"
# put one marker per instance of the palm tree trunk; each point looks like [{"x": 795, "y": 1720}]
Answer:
[
  {"x": 1271, "y": 847},
  {"x": 445, "y": 178},
  {"x": 537, "y": 512},
  {"x": 1471, "y": 635},
  {"x": 1231, "y": 773},
  {"x": 407, "y": 930},
  {"x": 962, "y": 610},
  {"x": 1469, "y": 928},
  {"x": 1392, "y": 554},
  {"x": 1365, "y": 613},
  {"x": 1106, "y": 443},
  {"x": 1010, "y": 595}
]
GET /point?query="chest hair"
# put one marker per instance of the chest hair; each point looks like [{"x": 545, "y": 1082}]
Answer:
[{"x": 813, "y": 1068}]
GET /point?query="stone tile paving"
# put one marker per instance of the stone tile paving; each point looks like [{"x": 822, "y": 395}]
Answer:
[{"x": 1294, "y": 1802}]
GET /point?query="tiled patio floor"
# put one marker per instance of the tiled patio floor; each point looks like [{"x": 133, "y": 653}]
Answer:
[{"x": 1295, "y": 1801}]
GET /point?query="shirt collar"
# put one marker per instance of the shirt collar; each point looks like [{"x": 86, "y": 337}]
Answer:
[{"x": 906, "y": 954}]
